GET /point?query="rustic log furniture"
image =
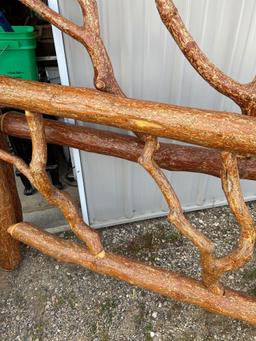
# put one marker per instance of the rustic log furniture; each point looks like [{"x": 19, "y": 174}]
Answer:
[{"x": 229, "y": 138}]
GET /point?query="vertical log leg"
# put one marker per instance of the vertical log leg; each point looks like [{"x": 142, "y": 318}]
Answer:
[{"x": 10, "y": 212}]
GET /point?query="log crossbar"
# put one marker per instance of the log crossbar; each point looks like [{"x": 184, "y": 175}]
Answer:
[
  {"x": 230, "y": 139},
  {"x": 173, "y": 157},
  {"x": 212, "y": 129}
]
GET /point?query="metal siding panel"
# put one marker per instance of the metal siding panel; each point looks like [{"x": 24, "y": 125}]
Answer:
[{"x": 149, "y": 65}]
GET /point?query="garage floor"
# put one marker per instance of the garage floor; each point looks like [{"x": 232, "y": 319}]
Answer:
[{"x": 39, "y": 212}]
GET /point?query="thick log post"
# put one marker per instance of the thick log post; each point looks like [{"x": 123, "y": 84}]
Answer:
[{"x": 10, "y": 213}]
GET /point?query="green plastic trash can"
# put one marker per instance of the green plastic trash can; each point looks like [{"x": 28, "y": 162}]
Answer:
[{"x": 17, "y": 53}]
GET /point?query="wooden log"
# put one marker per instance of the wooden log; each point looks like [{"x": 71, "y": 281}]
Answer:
[
  {"x": 232, "y": 132},
  {"x": 242, "y": 94},
  {"x": 175, "y": 286},
  {"x": 172, "y": 157},
  {"x": 10, "y": 213}
]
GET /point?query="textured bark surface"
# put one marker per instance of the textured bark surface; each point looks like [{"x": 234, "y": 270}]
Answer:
[
  {"x": 172, "y": 157},
  {"x": 223, "y": 130},
  {"x": 88, "y": 35},
  {"x": 233, "y": 134},
  {"x": 10, "y": 213},
  {"x": 212, "y": 267},
  {"x": 36, "y": 173},
  {"x": 166, "y": 283},
  {"x": 242, "y": 94}
]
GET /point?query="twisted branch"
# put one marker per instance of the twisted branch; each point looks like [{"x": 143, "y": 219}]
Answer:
[
  {"x": 53, "y": 195},
  {"x": 88, "y": 35},
  {"x": 212, "y": 267},
  {"x": 231, "y": 186},
  {"x": 245, "y": 96},
  {"x": 242, "y": 94},
  {"x": 37, "y": 175},
  {"x": 190, "y": 125}
]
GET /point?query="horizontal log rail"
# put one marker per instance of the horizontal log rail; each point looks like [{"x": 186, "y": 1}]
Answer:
[
  {"x": 232, "y": 132},
  {"x": 171, "y": 157},
  {"x": 170, "y": 284}
]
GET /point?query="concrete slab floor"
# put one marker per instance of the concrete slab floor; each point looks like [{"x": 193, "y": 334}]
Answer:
[{"x": 38, "y": 211}]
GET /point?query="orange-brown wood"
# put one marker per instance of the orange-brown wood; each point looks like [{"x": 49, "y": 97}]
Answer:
[
  {"x": 242, "y": 94},
  {"x": 213, "y": 129},
  {"x": 170, "y": 284},
  {"x": 233, "y": 134},
  {"x": 172, "y": 157},
  {"x": 10, "y": 213}
]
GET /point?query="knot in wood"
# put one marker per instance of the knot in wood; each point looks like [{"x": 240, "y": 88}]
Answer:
[{"x": 100, "y": 85}]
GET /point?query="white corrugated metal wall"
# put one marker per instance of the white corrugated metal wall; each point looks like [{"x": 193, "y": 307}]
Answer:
[{"x": 149, "y": 65}]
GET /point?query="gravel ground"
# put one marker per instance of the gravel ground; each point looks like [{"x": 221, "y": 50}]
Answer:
[{"x": 47, "y": 300}]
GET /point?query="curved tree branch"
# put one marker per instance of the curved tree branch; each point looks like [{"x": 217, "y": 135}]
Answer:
[
  {"x": 242, "y": 94},
  {"x": 212, "y": 267},
  {"x": 17, "y": 162},
  {"x": 88, "y": 35},
  {"x": 54, "y": 196},
  {"x": 176, "y": 216},
  {"x": 232, "y": 189},
  {"x": 37, "y": 175},
  {"x": 54, "y": 18}
]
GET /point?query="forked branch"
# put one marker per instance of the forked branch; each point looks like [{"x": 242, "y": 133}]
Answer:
[
  {"x": 243, "y": 252},
  {"x": 243, "y": 94},
  {"x": 212, "y": 267},
  {"x": 88, "y": 35},
  {"x": 175, "y": 216},
  {"x": 163, "y": 282},
  {"x": 37, "y": 175}
]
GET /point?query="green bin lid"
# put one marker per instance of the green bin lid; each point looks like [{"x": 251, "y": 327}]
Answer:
[{"x": 20, "y": 32}]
